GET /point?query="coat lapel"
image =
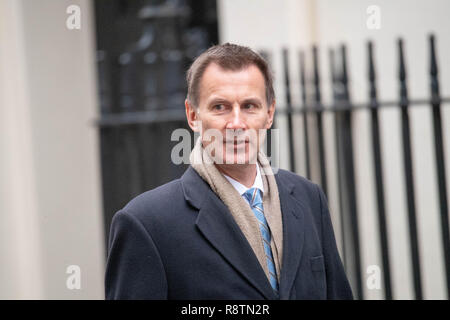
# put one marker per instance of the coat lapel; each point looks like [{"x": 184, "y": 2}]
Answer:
[
  {"x": 293, "y": 235},
  {"x": 217, "y": 225}
]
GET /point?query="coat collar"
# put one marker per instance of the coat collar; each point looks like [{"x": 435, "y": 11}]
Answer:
[{"x": 216, "y": 223}]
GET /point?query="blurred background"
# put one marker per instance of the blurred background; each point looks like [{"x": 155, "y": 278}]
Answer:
[{"x": 90, "y": 92}]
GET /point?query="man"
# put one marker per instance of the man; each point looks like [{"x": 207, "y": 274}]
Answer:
[{"x": 229, "y": 228}]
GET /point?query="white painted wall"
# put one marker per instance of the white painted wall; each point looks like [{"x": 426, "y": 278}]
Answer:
[
  {"x": 20, "y": 257},
  {"x": 50, "y": 195}
]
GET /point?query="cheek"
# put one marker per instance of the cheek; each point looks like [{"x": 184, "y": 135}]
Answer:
[
  {"x": 217, "y": 124},
  {"x": 211, "y": 130},
  {"x": 260, "y": 123}
]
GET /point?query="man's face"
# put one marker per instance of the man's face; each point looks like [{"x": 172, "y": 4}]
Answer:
[{"x": 232, "y": 113}]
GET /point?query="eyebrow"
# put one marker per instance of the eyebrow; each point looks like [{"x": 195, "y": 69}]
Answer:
[
  {"x": 252, "y": 100},
  {"x": 216, "y": 100}
]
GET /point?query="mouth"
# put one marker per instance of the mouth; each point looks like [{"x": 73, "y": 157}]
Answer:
[{"x": 236, "y": 143}]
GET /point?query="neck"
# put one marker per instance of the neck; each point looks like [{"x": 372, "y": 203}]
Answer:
[{"x": 243, "y": 173}]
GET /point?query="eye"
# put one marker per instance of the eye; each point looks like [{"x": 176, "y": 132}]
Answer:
[
  {"x": 218, "y": 107},
  {"x": 249, "y": 106}
]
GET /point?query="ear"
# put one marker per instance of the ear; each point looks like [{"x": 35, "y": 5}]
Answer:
[
  {"x": 191, "y": 115},
  {"x": 271, "y": 114}
]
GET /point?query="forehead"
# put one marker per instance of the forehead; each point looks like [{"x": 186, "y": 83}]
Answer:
[{"x": 246, "y": 81}]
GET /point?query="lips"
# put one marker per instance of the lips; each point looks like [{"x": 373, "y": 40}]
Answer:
[
  {"x": 237, "y": 144},
  {"x": 237, "y": 140}
]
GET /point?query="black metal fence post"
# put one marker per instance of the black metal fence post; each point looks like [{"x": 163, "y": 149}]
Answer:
[
  {"x": 305, "y": 115},
  {"x": 409, "y": 180},
  {"x": 349, "y": 175},
  {"x": 336, "y": 97},
  {"x": 319, "y": 118},
  {"x": 440, "y": 161},
  {"x": 289, "y": 109},
  {"x": 379, "y": 184}
]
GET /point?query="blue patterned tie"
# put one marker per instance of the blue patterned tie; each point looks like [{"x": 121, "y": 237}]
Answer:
[{"x": 253, "y": 196}]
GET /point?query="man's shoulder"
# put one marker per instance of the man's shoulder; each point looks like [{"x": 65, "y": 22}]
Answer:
[
  {"x": 304, "y": 190},
  {"x": 294, "y": 178},
  {"x": 156, "y": 201}
]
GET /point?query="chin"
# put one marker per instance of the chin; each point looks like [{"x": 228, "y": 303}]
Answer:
[
  {"x": 232, "y": 156},
  {"x": 236, "y": 159}
]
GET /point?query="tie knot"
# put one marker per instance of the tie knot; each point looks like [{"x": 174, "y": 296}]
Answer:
[{"x": 253, "y": 196}]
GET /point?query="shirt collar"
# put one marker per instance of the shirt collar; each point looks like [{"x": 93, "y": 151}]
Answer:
[{"x": 258, "y": 183}]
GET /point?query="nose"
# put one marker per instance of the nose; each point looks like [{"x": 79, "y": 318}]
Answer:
[{"x": 236, "y": 121}]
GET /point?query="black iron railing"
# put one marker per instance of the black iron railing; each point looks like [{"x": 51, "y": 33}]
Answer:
[{"x": 342, "y": 109}]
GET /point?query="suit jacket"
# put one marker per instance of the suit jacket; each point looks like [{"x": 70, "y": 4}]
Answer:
[{"x": 179, "y": 241}]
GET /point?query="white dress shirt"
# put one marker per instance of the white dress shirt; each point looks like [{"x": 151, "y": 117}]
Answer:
[{"x": 258, "y": 183}]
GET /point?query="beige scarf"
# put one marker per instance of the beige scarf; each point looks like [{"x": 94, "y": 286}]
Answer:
[{"x": 239, "y": 208}]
